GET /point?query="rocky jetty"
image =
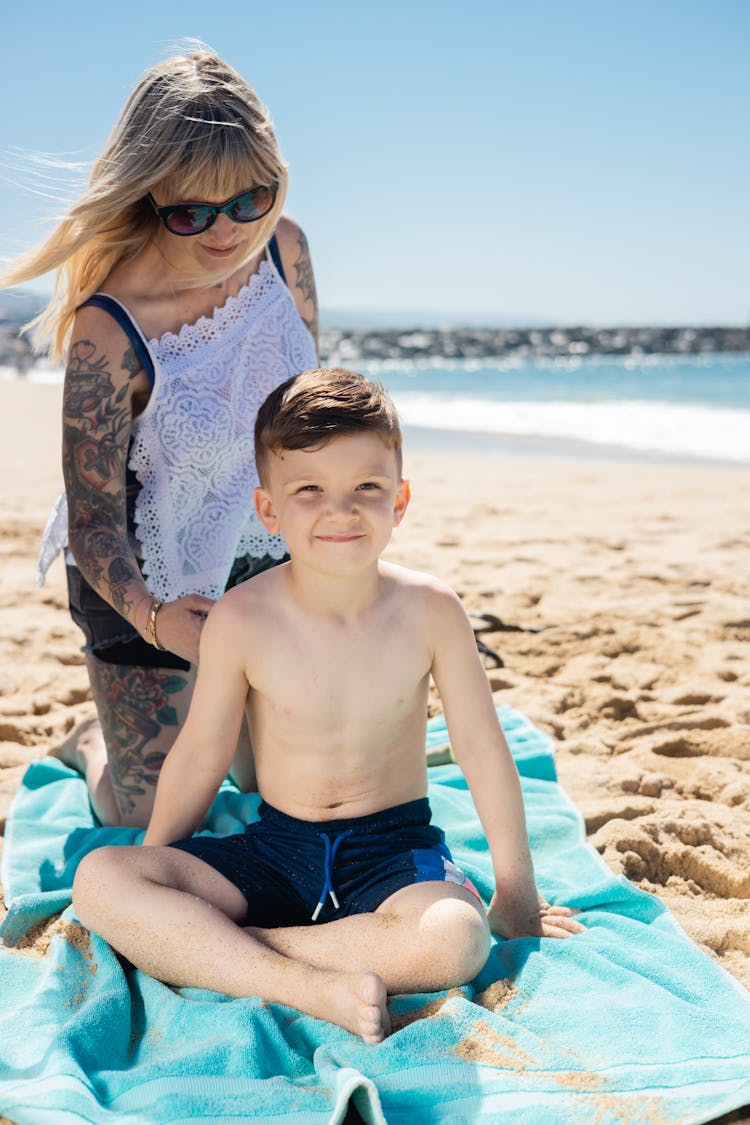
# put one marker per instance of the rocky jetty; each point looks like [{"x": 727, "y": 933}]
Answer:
[{"x": 346, "y": 346}]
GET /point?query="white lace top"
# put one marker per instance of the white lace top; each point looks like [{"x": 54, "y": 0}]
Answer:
[{"x": 193, "y": 444}]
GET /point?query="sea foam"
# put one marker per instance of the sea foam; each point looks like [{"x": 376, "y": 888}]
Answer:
[{"x": 643, "y": 426}]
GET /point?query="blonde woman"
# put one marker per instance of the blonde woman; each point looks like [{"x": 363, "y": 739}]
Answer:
[{"x": 184, "y": 296}]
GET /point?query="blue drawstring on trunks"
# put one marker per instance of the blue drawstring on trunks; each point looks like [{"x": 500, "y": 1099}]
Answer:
[{"x": 330, "y": 859}]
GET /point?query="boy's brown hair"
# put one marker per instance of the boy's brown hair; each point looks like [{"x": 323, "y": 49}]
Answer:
[{"x": 311, "y": 409}]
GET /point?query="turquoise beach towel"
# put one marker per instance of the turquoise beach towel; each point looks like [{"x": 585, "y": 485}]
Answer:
[{"x": 628, "y": 1022}]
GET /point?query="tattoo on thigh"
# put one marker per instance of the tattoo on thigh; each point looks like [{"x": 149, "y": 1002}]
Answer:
[{"x": 134, "y": 708}]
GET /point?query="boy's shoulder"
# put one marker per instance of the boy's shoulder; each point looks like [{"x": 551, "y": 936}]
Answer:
[
  {"x": 257, "y": 591},
  {"x": 266, "y": 596},
  {"x": 244, "y": 617},
  {"x": 408, "y": 583}
]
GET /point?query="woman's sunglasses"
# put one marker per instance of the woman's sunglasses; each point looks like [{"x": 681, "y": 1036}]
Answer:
[{"x": 194, "y": 218}]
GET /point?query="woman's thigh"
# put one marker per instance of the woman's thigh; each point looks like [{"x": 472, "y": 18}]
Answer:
[{"x": 141, "y": 710}]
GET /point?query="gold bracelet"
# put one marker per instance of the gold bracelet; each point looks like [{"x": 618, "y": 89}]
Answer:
[{"x": 155, "y": 607}]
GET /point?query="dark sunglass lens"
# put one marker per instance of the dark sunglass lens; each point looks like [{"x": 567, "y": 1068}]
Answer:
[
  {"x": 252, "y": 205},
  {"x": 190, "y": 220}
]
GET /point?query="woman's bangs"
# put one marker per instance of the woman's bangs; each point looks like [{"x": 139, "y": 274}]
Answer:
[{"x": 217, "y": 171}]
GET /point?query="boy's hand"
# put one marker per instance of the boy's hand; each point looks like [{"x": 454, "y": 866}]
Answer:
[{"x": 546, "y": 921}]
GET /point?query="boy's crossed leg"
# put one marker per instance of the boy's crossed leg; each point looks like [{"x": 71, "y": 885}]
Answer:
[
  {"x": 424, "y": 938},
  {"x": 179, "y": 920}
]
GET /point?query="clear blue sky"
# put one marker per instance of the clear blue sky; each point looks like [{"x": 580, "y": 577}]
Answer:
[{"x": 581, "y": 161}]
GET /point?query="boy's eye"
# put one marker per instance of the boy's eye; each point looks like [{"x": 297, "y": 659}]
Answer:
[
  {"x": 308, "y": 488},
  {"x": 369, "y": 484}
]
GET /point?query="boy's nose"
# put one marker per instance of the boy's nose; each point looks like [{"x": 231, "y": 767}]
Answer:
[{"x": 343, "y": 507}]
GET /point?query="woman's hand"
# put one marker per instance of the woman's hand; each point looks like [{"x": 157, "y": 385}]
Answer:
[
  {"x": 544, "y": 921},
  {"x": 179, "y": 625}
]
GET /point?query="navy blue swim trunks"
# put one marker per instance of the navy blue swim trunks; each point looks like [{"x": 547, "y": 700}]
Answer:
[{"x": 296, "y": 872}]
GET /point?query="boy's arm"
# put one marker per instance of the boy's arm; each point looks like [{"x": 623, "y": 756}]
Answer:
[
  {"x": 202, "y": 754},
  {"x": 480, "y": 749}
]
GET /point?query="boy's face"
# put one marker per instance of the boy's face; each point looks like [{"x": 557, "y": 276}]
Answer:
[{"x": 335, "y": 505}]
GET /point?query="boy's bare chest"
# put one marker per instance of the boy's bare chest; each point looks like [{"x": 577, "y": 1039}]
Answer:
[{"x": 346, "y": 672}]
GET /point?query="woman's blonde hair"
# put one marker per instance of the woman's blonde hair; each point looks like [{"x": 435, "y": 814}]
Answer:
[{"x": 192, "y": 125}]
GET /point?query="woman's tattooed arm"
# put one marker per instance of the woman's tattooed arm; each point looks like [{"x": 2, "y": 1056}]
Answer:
[
  {"x": 97, "y": 416},
  {"x": 305, "y": 286}
]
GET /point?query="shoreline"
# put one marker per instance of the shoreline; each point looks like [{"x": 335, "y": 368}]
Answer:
[
  {"x": 479, "y": 443},
  {"x": 626, "y": 584}
]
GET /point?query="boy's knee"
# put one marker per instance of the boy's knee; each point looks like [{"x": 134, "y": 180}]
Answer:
[
  {"x": 464, "y": 938},
  {"x": 93, "y": 882},
  {"x": 477, "y": 940}
]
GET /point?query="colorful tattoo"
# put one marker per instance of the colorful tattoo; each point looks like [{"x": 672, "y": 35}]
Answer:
[{"x": 134, "y": 706}]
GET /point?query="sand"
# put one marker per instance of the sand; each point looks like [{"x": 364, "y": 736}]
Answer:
[{"x": 629, "y": 583}]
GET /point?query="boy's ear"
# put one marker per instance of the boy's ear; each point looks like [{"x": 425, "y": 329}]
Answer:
[
  {"x": 266, "y": 511},
  {"x": 403, "y": 496}
]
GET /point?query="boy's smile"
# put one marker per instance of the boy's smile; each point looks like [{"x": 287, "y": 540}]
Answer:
[{"x": 336, "y": 504}]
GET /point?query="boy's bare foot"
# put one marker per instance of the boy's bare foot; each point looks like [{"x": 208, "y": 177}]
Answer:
[{"x": 358, "y": 1002}]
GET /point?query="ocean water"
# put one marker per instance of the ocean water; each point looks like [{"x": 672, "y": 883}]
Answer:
[
  {"x": 660, "y": 407},
  {"x": 645, "y": 407}
]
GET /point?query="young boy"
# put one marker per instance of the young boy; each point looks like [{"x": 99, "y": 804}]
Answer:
[{"x": 343, "y": 892}]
